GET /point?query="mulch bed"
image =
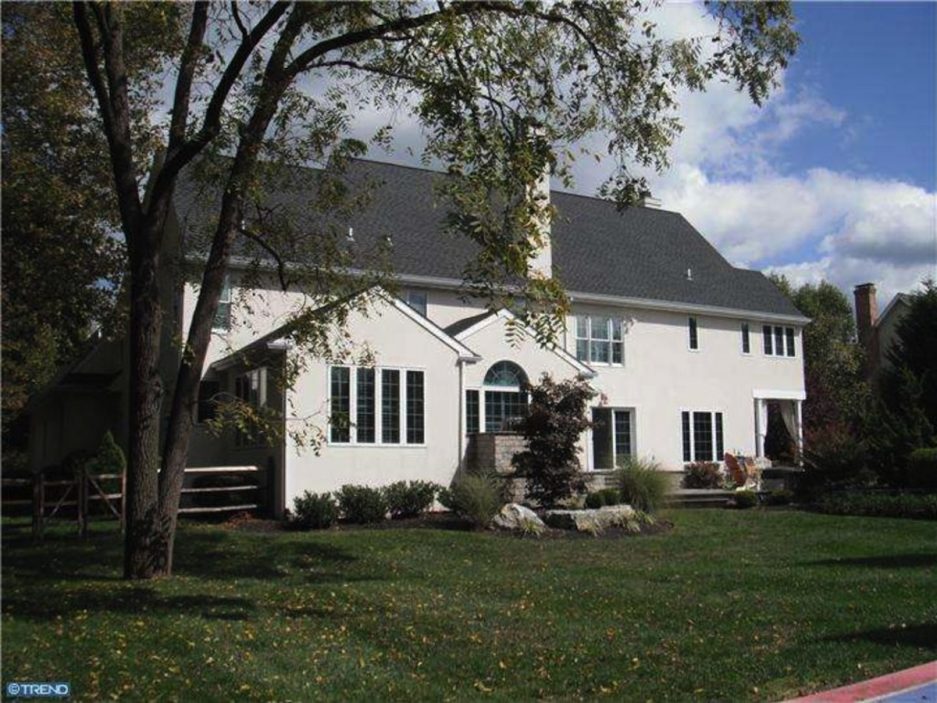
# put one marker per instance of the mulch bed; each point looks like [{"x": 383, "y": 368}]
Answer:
[{"x": 442, "y": 521}]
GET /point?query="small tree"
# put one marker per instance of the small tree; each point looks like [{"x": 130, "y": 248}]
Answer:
[
  {"x": 110, "y": 457},
  {"x": 556, "y": 419}
]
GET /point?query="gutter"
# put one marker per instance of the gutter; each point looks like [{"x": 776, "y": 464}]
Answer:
[{"x": 446, "y": 283}]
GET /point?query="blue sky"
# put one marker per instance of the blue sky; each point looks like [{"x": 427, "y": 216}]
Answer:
[{"x": 875, "y": 61}]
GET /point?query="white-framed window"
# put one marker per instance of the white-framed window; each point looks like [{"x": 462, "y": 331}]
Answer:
[
  {"x": 746, "y": 338},
  {"x": 500, "y": 403},
  {"x": 779, "y": 341},
  {"x": 376, "y": 406},
  {"x": 612, "y": 437},
  {"x": 416, "y": 299},
  {"x": 702, "y": 435},
  {"x": 599, "y": 340},
  {"x": 692, "y": 334},
  {"x": 222, "y": 319},
  {"x": 250, "y": 387}
]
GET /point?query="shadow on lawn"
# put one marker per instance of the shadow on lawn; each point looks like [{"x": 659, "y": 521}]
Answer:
[
  {"x": 131, "y": 601},
  {"x": 923, "y": 636},
  {"x": 34, "y": 573},
  {"x": 885, "y": 561}
]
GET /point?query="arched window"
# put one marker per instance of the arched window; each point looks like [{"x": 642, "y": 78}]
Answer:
[
  {"x": 506, "y": 373},
  {"x": 504, "y": 398}
]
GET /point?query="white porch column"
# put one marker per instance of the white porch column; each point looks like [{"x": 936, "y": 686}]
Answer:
[
  {"x": 798, "y": 408},
  {"x": 761, "y": 425}
]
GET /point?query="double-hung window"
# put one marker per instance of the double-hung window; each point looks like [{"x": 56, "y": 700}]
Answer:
[
  {"x": 611, "y": 437},
  {"x": 222, "y": 319},
  {"x": 416, "y": 299},
  {"x": 693, "y": 331},
  {"x": 746, "y": 339},
  {"x": 251, "y": 389},
  {"x": 599, "y": 340},
  {"x": 778, "y": 341},
  {"x": 702, "y": 435},
  {"x": 376, "y": 406}
]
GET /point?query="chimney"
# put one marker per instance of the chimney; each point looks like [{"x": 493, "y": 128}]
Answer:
[
  {"x": 542, "y": 262},
  {"x": 866, "y": 313}
]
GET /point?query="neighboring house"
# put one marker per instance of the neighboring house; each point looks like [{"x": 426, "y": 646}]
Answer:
[
  {"x": 684, "y": 350},
  {"x": 877, "y": 333}
]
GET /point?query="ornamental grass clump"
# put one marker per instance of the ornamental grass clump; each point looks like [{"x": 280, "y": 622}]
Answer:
[
  {"x": 476, "y": 497},
  {"x": 643, "y": 485}
]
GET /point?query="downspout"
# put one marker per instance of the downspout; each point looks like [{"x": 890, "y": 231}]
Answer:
[{"x": 461, "y": 441}]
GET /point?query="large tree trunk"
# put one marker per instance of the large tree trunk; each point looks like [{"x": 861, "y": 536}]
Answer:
[{"x": 145, "y": 552}]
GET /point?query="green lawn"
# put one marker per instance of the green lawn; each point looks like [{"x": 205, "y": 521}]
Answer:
[{"x": 728, "y": 606}]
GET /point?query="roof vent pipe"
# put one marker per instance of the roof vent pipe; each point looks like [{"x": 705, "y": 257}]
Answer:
[
  {"x": 351, "y": 234},
  {"x": 689, "y": 274}
]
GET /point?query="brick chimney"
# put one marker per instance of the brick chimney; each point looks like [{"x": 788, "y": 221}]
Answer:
[
  {"x": 866, "y": 317},
  {"x": 866, "y": 311}
]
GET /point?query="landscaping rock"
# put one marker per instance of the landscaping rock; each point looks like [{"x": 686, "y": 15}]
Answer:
[
  {"x": 617, "y": 514},
  {"x": 516, "y": 518},
  {"x": 579, "y": 520},
  {"x": 592, "y": 521}
]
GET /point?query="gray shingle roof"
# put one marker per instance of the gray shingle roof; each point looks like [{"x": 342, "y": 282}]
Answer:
[{"x": 639, "y": 253}]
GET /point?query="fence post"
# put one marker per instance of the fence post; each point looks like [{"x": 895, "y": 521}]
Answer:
[
  {"x": 82, "y": 478},
  {"x": 123, "y": 501},
  {"x": 269, "y": 491},
  {"x": 39, "y": 506}
]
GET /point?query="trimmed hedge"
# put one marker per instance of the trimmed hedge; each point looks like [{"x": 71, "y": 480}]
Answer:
[
  {"x": 745, "y": 499},
  {"x": 922, "y": 469},
  {"x": 362, "y": 504},
  {"x": 906, "y": 505},
  {"x": 314, "y": 511},
  {"x": 603, "y": 497},
  {"x": 409, "y": 499}
]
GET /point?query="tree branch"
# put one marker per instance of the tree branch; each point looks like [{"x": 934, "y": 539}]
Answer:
[
  {"x": 180, "y": 102},
  {"x": 211, "y": 124},
  {"x": 263, "y": 244},
  {"x": 115, "y": 108}
]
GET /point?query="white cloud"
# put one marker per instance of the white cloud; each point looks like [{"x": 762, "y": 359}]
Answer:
[{"x": 726, "y": 180}]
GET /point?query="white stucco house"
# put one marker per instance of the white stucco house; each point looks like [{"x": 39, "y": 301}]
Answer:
[{"x": 684, "y": 350}]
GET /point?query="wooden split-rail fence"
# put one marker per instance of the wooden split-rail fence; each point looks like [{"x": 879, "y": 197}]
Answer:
[{"x": 88, "y": 495}]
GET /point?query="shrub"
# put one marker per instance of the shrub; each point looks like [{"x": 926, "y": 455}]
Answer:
[
  {"x": 409, "y": 499},
  {"x": 476, "y": 497},
  {"x": 908, "y": 505},
  {"x": 642, "y": 484},
  {"x": 745, "y": 499},
  {"x": 922, "y": 469},
  {"x": 556, "y": 419},
  {"x": 781, "y": 496},
  {"x": 605, "y": 496},
  {"x": 362, "y": 504},
  {"x": 314, "y": 511},
  {"x": 702, "y": 474},
  {"x": 109, "y": 458},
  {"x": 834, "y": 455}
]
